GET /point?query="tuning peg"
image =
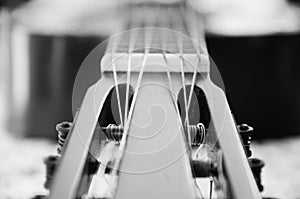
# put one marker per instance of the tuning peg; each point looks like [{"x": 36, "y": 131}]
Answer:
[
  {"x": 63, "y": 130},
  {"x": 51, "y": 162},
  {"x": 256, "y": 167},
  {"x": 246, "y": 132}
]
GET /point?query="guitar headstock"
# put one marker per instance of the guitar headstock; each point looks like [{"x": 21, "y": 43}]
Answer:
[{"x": 154, "y": 125}]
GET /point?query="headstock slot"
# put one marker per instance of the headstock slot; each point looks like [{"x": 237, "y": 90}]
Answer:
[
  {"x": 110, "y": 113},
  {"x": 198, "y": 111}
]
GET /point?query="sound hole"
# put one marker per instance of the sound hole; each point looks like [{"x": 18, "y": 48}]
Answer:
[
  {"x": 198, "y": 110},
  {"x": 110, "y": 113}
]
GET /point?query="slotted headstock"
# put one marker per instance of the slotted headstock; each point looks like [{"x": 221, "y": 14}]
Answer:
[{"x": 165, "y": 122}]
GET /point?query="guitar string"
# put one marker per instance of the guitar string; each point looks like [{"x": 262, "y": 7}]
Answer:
[
  {"x": 140, "y": 77},
  {"x": 164, "y": 37},
  {"x": 195, "y": 35},
  {"x": 147, "y": 39},
  {"x": 182, "y": 63},
  {"x": 119, "y": 154},
  {"x": 193, "y": 32},
  {"x": 179, "y": 43},
  {"x": 179, "y": 46},
  {"x": 115, "y": 44},
  {"x": 196, "y": 66},
  {"x": 164, "y": 47},
  {"x": 192, "y": 27},
  {"x": 132, "y": 41}
]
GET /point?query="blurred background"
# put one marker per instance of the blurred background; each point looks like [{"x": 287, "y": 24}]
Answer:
[{"x": 255, "y": 44}]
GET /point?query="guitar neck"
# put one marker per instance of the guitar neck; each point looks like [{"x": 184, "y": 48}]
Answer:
[
  {"x": 173, "y": 31},
  {"x": 177, "y": 17}
]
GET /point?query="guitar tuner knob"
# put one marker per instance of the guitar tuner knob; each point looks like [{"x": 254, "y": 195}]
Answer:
[
  {"x": 246, "y": 132},
  {"x": 51, "y": 163},
  {"x": 198, "y": 133},
  {"x": 63, "y": 130},
  {"x": 113, "y": 132},
  {"x": 256, "y": 167}
]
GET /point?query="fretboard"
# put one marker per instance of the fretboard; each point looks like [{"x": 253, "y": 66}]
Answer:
[
  {"x": 155, "y": 34},
  {"x": 174, "y": 28}
]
